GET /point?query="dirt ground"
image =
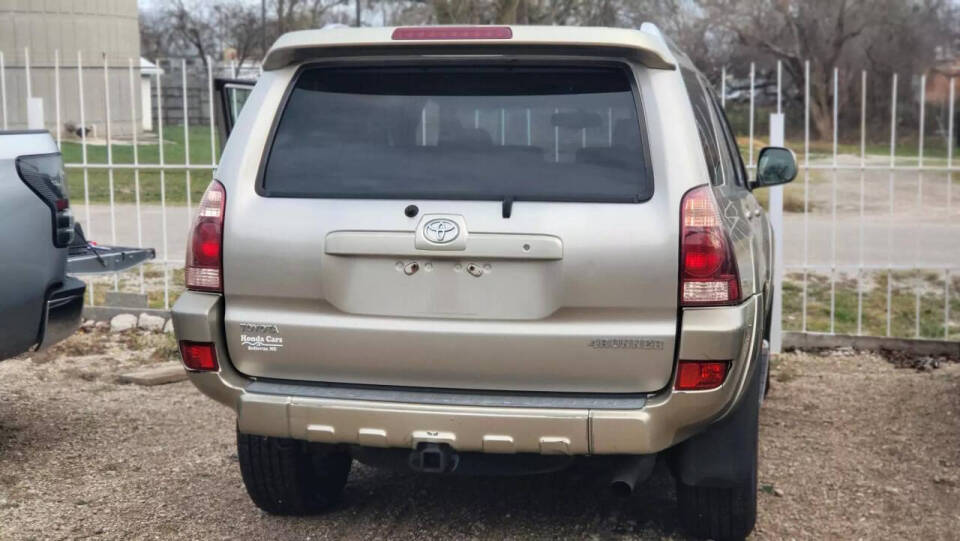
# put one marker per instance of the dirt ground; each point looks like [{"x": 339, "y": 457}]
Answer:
[{"x": 852, "y": 448}]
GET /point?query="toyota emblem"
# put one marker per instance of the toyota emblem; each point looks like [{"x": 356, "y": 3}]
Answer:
[{"x": 441, "y": 231}]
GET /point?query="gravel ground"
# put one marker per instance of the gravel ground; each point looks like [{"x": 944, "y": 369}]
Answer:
[{"x": 851, "y": 448}]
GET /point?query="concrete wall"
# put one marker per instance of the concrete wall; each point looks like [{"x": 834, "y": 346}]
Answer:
[{"x": 95, "y": 28}]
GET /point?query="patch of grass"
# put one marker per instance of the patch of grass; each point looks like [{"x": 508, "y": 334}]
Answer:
[
  {"x": 792, "y": 197},
  {"x": 129, "y": 282},
  {"x": 124, "y": 181},
  {"x": 166, "y": 350},
  {"x": 905, "y": 287},
  {"x": 76, "y": 346}
]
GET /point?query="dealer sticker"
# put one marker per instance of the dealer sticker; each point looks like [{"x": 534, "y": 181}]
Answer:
[{"x": 260, "y": 337}]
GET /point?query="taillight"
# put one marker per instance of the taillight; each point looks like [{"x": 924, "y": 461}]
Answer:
[
  {"x": 204, "y": 265},
  {"x": 199, "y": 356},
  {"x": 452, "y": 32},
  {"x": 700, "y": 375},
  {"x": 708, "y": 270},
  {"x": 44, "y": 175}
]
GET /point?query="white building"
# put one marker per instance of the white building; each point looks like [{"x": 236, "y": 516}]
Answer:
[{"x": 36, "y": 36}]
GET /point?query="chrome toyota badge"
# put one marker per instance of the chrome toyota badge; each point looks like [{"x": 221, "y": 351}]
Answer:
[{"x": 441, "y": 231}]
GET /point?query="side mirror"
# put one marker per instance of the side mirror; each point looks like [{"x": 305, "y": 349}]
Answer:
[{"x": 775, "y": 166}]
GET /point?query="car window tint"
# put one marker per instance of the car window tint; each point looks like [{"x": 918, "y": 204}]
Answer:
[
  {"x": 740, "y": 172},
  {"x": 701, "y": 113},
  {"x": 726, "y": 159},
  {"x": 448, "y": 131}
]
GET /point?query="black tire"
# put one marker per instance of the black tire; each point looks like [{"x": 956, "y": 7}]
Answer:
[
  {"x": 291, "y": 477},
  {"x": 718, "y": 513}
]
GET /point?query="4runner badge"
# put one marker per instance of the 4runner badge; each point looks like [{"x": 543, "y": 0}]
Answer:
[{"x": 259, "y": 337}]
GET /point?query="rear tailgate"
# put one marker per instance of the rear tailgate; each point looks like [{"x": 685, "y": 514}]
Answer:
[{"x": 538, "y": 257}]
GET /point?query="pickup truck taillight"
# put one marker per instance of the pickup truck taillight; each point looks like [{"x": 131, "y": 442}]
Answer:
[
  {"x": 708, "y": 269},
  {"x": 204, "y": 264},
  {"x": 43, "y": 173}
]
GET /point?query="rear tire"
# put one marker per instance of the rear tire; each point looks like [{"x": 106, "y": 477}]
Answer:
[{"x": 291, "y": 477}]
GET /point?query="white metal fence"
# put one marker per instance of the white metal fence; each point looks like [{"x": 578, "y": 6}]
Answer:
[
  {"x": 853, "y": 224},
  {"x": 99, "y": 77},
  {"x": 919, "y": 238}
]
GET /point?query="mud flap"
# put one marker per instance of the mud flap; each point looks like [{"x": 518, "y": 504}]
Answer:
[{"x": 724, "y": 455}]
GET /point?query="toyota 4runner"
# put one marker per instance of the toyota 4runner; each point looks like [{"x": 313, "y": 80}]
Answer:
[{"x": 484, "y": 249}]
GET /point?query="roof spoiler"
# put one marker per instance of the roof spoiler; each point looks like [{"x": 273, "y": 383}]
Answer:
[{"x": 645, "y": 46}]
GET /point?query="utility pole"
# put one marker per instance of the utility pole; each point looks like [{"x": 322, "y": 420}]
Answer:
[{"x": 357, "y": 20}]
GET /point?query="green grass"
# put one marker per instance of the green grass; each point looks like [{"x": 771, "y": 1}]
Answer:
[
  {"x": 904, "y": 285},
  {"x": 174, "y": 150}
]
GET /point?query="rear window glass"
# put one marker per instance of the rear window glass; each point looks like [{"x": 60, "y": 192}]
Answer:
[{"x": 547, "y": 133}]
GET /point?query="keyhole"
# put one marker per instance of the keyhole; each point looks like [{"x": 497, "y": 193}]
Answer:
[{"x": 474, "y": 270}]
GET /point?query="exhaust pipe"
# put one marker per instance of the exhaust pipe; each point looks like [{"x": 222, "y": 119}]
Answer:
[{"x": 631, "y": 472}]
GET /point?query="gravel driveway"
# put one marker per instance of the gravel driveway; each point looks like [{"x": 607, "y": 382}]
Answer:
[{"x": 851, "y": 448}]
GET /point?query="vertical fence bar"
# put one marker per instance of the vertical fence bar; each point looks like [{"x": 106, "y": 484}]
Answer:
[
  {"x": 233, "y": 96},
  {"x": 752, "y": 81},
  {"x": 946, "y": 304},
  {"x": 186, "y": 136},
  {"x": 916, "y": 244},
  {"x": 56, "y": 94},
  {"x": 863, "y": 164},
  {"x": 113, "y": 209},
  {"x": 136, "y": 164},
  {"x": 777, "y": 131},
  {"x": 950, "y": 143},
  {"x": 3, "y": 90},
  {"x": 833, "y": 212},
  {"x": 163, "y": 196},
  {"x": 806, "y": 190},
  {"x": 609, "y": 126},
  {"x": 83, "y": 150},
  {"x": 503, "y": 126},
  {"x": 723, "y": 87},
  {"x": 556, "y": 139},
  {"x": 26, "y": 68},
  {"x": 423, "y": 120},
  {"x": 213, "y": 137},
  {"x": 779, "y": 87},
  {"x": 529, "y": 129},
  {"x": 893, "y": 163}
]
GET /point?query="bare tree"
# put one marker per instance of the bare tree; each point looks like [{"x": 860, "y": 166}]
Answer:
[
  {"x": 830, "y": 34},
  {"x": 192, "y": 26},
  {"x": 320, "y": 8}
]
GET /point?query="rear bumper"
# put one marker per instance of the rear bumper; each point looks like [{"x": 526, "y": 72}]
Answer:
[{"x": 531, "y": 423}]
